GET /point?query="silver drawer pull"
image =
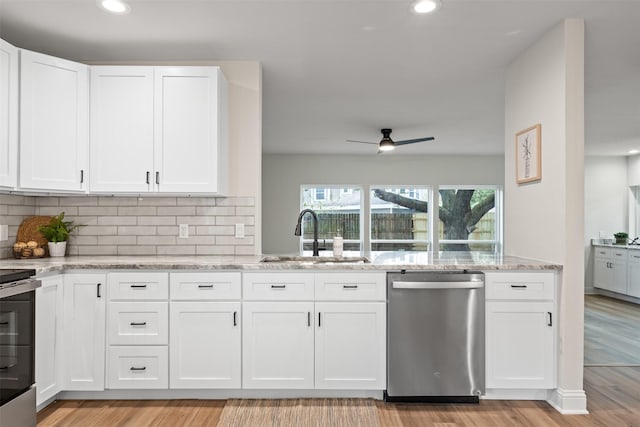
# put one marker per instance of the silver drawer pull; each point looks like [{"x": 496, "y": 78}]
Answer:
[
  {"x": 519, "y": 286},
  {"x": 133, "y": 368},
  {"x": 205, "y": 286},
  {"x": 4, "y": 323},
  {"x": 138, "y": 323},
  {"x": 635, "y": 256},
  {"x": 138, "y": 286},
  {"x": 278, "y": 286},
  {"x": 349, "y": 286}
]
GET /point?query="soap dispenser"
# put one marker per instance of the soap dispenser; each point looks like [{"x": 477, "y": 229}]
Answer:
[{"x": 337, "y": 245}]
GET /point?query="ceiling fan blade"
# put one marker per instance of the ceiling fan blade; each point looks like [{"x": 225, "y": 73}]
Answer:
[
  {"x": 413, "y": 141},
  {"x": 361, "y": 142}
]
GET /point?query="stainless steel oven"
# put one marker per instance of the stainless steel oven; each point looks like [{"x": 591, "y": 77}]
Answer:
[{"x": 17, "y": 348}]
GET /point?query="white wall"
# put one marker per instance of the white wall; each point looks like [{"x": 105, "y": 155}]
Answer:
[
  {"x": 544, "y": 220},
  {"x": 283, "y": 174},
  {"x": 633, "y": 170},
  {"x": 605, "y": 204}
]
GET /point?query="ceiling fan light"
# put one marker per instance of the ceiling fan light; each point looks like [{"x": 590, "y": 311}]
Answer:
[
  {"x": 115, "y": 6},
  {"x": 386, "y": 145},
  {"x": 425, "y": 6}
]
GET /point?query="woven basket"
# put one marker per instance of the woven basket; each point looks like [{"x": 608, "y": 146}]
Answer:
[{"x": 27, "y": 232}]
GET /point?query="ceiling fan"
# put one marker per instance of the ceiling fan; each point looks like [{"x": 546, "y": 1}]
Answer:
[{"x": 387, "y": 144}]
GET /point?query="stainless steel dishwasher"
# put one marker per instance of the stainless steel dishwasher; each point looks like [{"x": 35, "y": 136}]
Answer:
[{"x": 435, "y": 336}]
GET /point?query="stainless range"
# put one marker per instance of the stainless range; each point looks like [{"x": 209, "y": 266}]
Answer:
[{"x": 17, "y": 348}]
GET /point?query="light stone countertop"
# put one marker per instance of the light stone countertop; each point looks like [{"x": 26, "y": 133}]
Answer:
[
  {"x": 385, "y": 261},
  {"x": 611, "y": 245}
]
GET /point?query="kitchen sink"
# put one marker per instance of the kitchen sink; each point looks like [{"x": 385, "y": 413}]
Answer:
[{"x": 314, "y": 259}]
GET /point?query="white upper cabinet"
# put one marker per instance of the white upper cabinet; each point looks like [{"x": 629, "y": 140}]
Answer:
[
  {"x": 158, "y": 129},
  {"x": 8, "y": 115},
  {"x": 53, "y": 123},
  {"x": 121, "y": 129},
  {"x": 190, "y": 129}
]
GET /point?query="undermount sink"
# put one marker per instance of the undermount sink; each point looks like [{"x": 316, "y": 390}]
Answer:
[{"x": 314, "y": 259}]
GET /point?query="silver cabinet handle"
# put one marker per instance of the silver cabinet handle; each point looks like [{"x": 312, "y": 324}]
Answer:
[
  {"x": 349, "y": 286},
  {"x": 205, "y": 286},
  {"x": 4, "y": 323},
  {"x": 133, "y": 368},
  {"x": 158, "y": 178},
  {"x": 138, "y": 286},
  {"x": 235, "y": 320},
  {"x": 81, "y": 176},
  {"x": 98, "y": 290},
  {"x": 308, "y": 318},
  {"x": 549, "y": 319},
  {"x": 319, "y": 319},
  {"x": 148, "y": 175},
  {"x": 138, "y": 324},
  {"x": 278, "y": 286},
  {"x": 519, "y": 286}
]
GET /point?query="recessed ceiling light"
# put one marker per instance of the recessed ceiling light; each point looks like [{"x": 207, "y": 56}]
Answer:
[
  {"x": 425, "y": 6},
  {"x": 634, "y": 151},
  {"x": 115, "y": 6}
]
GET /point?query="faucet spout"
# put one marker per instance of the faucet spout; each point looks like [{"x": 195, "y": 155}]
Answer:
[{"x": 298, "y": 231}]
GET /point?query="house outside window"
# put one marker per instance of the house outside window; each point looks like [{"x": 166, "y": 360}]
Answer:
[{"x": 339, "y": 211}]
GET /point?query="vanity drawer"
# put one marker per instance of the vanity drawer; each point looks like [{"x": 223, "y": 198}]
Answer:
[
  {"x": 520, "y": 286},
  {"x": 350, "y": 286},
  {"x": 278, "y": 286},
  {"x": 205, "y": 286},
  {"x": 138, "y": 286},
  {"x": 138, "y": 367},
  {"x": 138, "y": 323}
]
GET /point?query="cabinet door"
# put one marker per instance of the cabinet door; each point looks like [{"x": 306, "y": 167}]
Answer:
[
  {"x": 190, "y": 130},
  {"x": 350, "y": 350},
  {"x": 205, "y": 345},
  {"x": 121, "y": 129},
  {"x": 48, "y": 338},
  {"x": 8, "y": 115},
  {"x": 633, "y": 274},
  {"x": 520, "y": 345},
  {"x": 277, "y": 345},
  {"x": 602, "y": 273},
  {"x": 53, "y": 122},
  {"x": 84, "y": 331},
  {"x": 618, "y": 275}
]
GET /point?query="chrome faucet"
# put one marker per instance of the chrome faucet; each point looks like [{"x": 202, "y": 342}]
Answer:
[{"x": 298, "y": 231}]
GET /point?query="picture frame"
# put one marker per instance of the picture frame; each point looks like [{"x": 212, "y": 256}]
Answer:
[{"x": 529, "y": 154}]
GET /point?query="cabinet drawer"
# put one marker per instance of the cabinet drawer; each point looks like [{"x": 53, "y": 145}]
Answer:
[
  {"x": 205, "y": 286},
  {"x": 138, "y": 286},
  {"x": 634, "y": 255},
  {"x": 278, "y": 286},
  {"x": 350, "y": 286},
  {"x": 602, "y": 252},
  {"x": 520, "y": 286},
  {"x": 138, "y": 323},
  {"x": 138, "y": 367}
]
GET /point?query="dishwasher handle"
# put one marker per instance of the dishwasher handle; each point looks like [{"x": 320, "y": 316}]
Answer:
[{"x": 438, "y": 285}]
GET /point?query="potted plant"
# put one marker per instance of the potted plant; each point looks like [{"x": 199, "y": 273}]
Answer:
[
  {"x": 57, "y": 233},
  {"x": 621, "y": 238}
]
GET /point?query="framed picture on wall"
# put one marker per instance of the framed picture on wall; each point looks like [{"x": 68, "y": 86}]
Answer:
[{"x": 529, "y": 155}]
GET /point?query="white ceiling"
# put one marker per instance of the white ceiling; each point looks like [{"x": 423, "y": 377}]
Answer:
[{"x": 343, "y": 69}]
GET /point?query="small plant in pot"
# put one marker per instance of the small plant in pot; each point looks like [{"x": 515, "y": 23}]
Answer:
[
  {"x": 57, "y": 233},
  {"x": 621, "y": 238}
]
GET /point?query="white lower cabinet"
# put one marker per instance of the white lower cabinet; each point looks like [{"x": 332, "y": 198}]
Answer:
[
  {"x": 84, "y": 331},
  {"x": 350, "y": 345},
  {"x": 633, "y": 273},
  {"x": 143, "y": 367},
  {"x": 49, "y": 309},
  {"x": 205, "y": 344},
  {"x": 520, "y": 331},
  {"x": 277, "y": 344}
]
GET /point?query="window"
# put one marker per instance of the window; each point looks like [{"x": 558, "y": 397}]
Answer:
[
  {"x": 469, "y": 218},
  {"x": 400, "y": 218},
  {"x": 338, "y": 211}
]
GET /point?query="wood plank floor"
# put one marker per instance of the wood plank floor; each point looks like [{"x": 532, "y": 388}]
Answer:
[
  {"x": 611, "y": 332},
  {"x": 613, "y": 400}
]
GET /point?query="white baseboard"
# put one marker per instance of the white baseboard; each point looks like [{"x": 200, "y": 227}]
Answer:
[{"x": 569, "y": 402}]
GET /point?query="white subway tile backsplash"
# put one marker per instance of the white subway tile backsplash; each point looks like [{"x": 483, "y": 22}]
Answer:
[{"x": 140, "y": 225}]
